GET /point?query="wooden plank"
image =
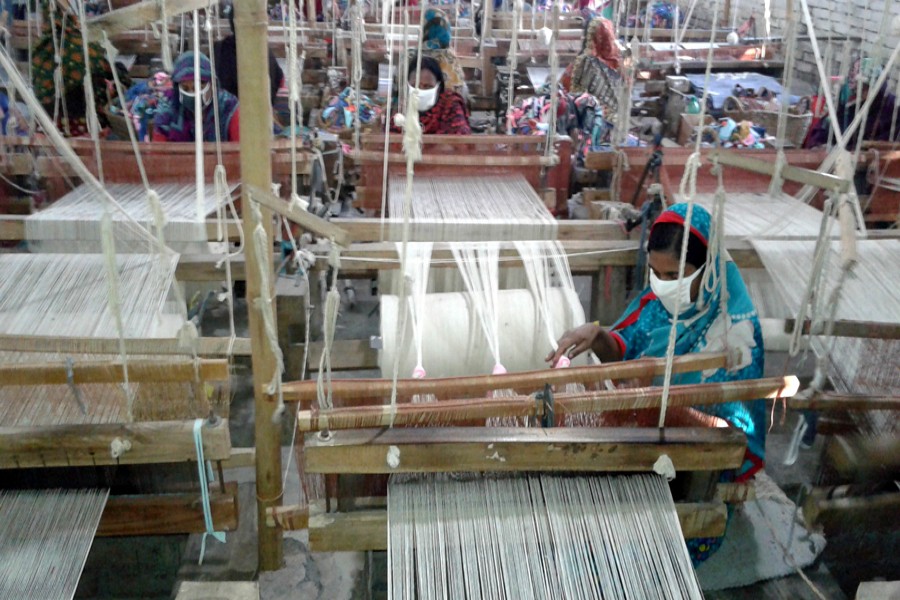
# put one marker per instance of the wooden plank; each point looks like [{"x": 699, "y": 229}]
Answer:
[
  {"x": 289, "y": 518},
  {"x": 839, "y": 328},
  {"x": 373, "y": 230},
  {"x": 88, "y": 445},
  {"x": 824, "y": 181},
  {"x": 240, "y": 458},
  {"x": 367, "y": 529},
  {"x": 169, "y": 514},
  {"x": 346, "y": 355},
  {"x": 735, "y": 493},
  {"x": 477, "y": 385},
  {"x": 113, "y": 372},
  {"x": 515, "y": 449},
  {"x": 460, "y": 160},
  {"x": 878, "y": 590},
  {"x": 12, "y": 229},
  {"x": 208, "y": 346},
  {"x": 138, "y": 15},
  {"x": 218, "y": 590},
  {"x": 838, "y": 514},
  {"x": 841, "y": 402},
  {"x": 465, "y": 411},
  {"x": 205, "y": 267},
  {"x": 305, "y": 219}
]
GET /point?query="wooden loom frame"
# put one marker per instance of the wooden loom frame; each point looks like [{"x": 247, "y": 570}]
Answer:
[{"x": 358, "y": 451}]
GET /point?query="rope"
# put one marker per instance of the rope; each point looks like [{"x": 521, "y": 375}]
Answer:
[
  {"x": 166, "y": 45},
  {"x": 93, "y": 123},
  {"x": 205, "y": 475},
  {"x": 513, "y": 63},
  {"x": 688, "y": 188}
]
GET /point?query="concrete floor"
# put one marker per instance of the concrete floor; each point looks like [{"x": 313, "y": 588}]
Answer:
[{"x": 129, "y": 568}]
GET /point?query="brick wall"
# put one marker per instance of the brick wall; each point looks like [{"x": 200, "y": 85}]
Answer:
[{"x": 859, "y": 18}]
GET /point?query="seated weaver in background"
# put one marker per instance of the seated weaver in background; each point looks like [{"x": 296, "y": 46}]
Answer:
[
  {"x": 441, "y": 110},
  {"x": 705, "y": 324},
  {"x": 174, "y": 120}
]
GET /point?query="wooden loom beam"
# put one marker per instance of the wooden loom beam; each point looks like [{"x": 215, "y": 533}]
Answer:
[
  {"x": 113, "y": 372},
  {"x": 367, "y": 529},
  {"x": 89, "y": 445},
  {"x": 169, "y": 514},
  {"x": 355, "y": 389},
  {"x": 138, "y": 15},
  {"x": 304, "y": 218},
  {"x": 446, "y": 412},
  {"x": 841, "y": 402},
  {"x": 207, "y": 346},
  {"x": 251, "y": 26},
  {"x": 824, "y": 181},
  {"x": 463, "y": 449}
]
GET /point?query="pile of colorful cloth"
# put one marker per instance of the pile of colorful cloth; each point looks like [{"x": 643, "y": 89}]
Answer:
[
  {"x": 141, "y": 101},
  {"x": 340, "y": 112}
]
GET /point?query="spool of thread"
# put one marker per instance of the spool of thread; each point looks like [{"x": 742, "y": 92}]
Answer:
[
  {"x": 418, "y": 372},
  {"x": 563, "y": 362},
  {"x": 455, "y": 344},
  {"x": 499, "y": 370}
]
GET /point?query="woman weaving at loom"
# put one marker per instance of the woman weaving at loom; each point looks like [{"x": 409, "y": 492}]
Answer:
[
  {"x": 709, "y": 321},
  {"x": 441, "y": 110},
  {"x": 174, "y": 121}
]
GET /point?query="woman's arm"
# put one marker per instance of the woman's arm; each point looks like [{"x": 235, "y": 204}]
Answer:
[{"x": 589, "y": 336}]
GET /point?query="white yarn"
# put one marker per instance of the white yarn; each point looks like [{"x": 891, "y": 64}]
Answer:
[
  {"x": 513, "y": 62},
  {"x": 263, "y": 303},
  {"x": 93, "y": 123},
  {"x": 166, "y": 45},
  {"x": 478, "y": 264}
]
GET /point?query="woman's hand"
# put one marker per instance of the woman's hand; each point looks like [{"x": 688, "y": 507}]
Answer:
[{"x": 574, "y": 342}]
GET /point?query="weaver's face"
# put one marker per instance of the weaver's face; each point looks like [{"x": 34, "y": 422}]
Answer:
[
  {"x": 427, "y": 80},
  {"x": 665, "y": 265}
]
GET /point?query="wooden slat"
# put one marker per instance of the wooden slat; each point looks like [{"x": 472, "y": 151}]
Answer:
[
  {"x": 305, "y": 219},
  {"x": 836, "y": 514},
  {"x": 460, "y": 160},
  {"x": 289, "y": 518},
  {"x": 372, "y": 230},
  {"x": 514, "y": 449},
  {"x": 110, "y": 372},
  {"x": 208, "y": 346},
  {"x": 138, "y": 16},
  {"x": 461, "y": 411},
  {"x": 220, "y": 590},
  {"x": 86, "y": 445},
  {"x": 169, "y": 514},
  {"x": 527, "y": 381},
  {"x": 12, "y": 229},
  {"x": 824, "y": 181},
  {"x": 830, "y": 401},
  {"x": 367, "y": 529},
  {"x": 346, "y": 355}
]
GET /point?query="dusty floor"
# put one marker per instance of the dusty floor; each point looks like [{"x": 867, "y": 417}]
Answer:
[{"x": 128, "y": 568}]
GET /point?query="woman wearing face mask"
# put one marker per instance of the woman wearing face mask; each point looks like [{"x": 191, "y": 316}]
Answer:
[
  {"x": 704, "y": 321},
  {"x": 174, "y": 120},
  {"x": 440, "y": 110}
]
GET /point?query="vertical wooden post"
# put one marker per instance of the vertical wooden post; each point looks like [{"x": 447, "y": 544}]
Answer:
[
  {"x": 251, "y": 24},
  {"x": 311, "y": 12}
]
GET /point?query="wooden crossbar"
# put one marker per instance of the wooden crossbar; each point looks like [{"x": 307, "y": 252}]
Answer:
[
  {"x": 89, "y": 445},
  {"x": 84, "y": 372},
  {"x": 477, "y": 449},
  {"x": 527, "y": 381}
]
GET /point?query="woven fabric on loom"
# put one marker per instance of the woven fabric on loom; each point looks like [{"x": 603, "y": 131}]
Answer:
[
  {"x": 506, "y": 206},
  {"x": 751, "y": 215},
  {"x": 467, "y": 536},
  {"x": 67, "y": 295},
  {"x": 72, "y": 223},
  {"x": 870, "y": 293},
  {"x": 45, "y": 537}
]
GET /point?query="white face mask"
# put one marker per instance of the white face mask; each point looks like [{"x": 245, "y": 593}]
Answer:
[
  {"x": 667, "y": 291},
  {"x": 187, "y": 98},
  {"x": 427, "y": 98}
]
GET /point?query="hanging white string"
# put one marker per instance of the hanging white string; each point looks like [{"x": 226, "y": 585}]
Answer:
[
  {"x": 199, "y": 179},
  {"x": 688, "y": 190},
  {"x": 388, "y": 4},
  {"x": 165, "y": 43},
  {"x": 775, "y": 186},
  {"x": 513, "y": 63},
  {"x": 93, "y": 124},
  {"x": 263, "y": 303},
  {"x": 478, "y": 264}
]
